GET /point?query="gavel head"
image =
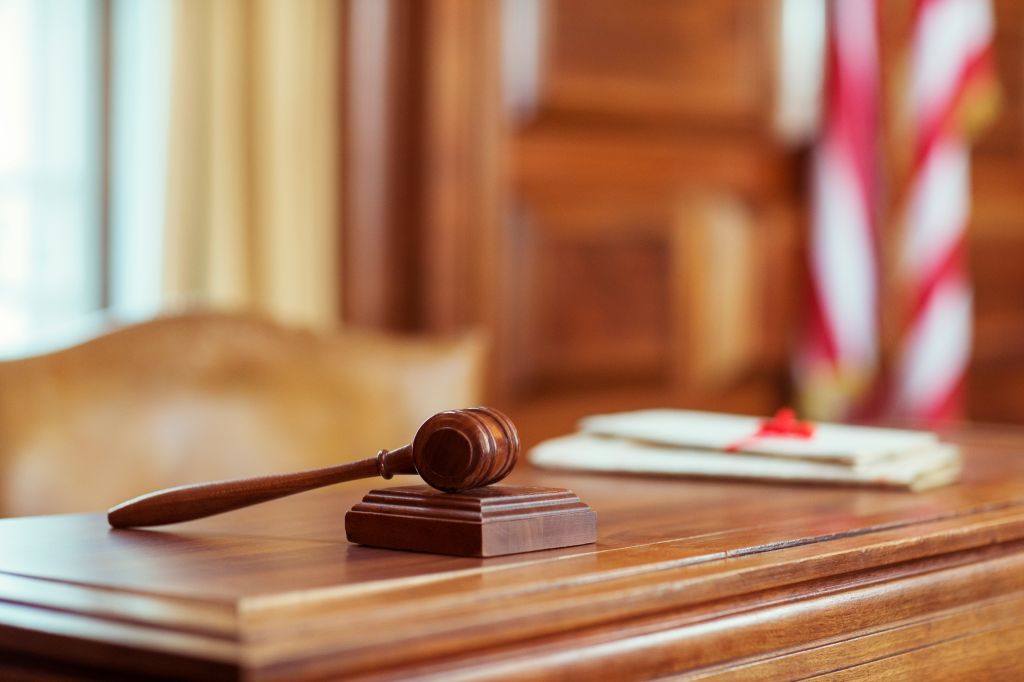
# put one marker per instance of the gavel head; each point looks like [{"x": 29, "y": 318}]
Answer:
[{"x": 462, "y": 449}]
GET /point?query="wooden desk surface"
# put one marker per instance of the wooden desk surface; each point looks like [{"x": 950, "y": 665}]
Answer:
[{"x": 715, "y": 578}]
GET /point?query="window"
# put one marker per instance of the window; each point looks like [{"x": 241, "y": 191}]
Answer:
[
  {"x": 80, "y": 209},
  {"x": 50, "y": 156}
]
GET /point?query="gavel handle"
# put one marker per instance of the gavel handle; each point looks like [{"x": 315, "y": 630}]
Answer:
[{"x": 188, "y": 502}]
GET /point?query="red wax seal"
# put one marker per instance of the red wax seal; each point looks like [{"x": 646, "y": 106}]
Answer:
[{"x": 783, "y": 425}]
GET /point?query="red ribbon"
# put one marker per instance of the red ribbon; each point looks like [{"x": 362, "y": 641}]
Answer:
[{"x": 783, "y": 425}]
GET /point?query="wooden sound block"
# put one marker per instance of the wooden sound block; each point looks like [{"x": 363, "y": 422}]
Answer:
[{"x": 483, "y": 522}]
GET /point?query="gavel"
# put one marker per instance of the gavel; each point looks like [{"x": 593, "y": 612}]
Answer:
[{"x": 452, "y": 451}]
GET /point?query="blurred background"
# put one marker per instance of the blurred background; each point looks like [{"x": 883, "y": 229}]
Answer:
[{"x": 722, "y": 204}]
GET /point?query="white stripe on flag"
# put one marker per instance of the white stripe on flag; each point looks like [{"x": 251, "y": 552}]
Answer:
[
  {"x": 939, "y": 206},
  {"x": 937, "y": 350},
  {"x": 948, "y": 33},
  {"x": 842, "y": 257}
]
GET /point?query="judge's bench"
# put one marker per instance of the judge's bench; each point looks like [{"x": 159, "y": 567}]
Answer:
[{"x": 688, "y": 579}]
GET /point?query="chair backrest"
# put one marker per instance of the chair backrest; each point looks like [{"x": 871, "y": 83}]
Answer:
[{"x": 210, "y": 396}]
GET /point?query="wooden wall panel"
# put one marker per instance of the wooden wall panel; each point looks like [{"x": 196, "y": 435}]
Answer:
[
  {"x": 650, "y": 180},
  {"x": 697, "y": 292},
  {"x": 628, "y": 218},
  {"x": 996, "y": 379},
  {"x": 1005, "y": 137},
  {"x": 599, "y": 297},
  {"x": 699, "y": 61},
  {"x": 996, "y": 237},
  {"x": 578, "y": 230},
  {"x": 422, "y": 126}
]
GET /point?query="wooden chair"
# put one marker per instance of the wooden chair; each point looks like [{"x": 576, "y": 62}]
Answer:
[{"x": 209, "y": 396}]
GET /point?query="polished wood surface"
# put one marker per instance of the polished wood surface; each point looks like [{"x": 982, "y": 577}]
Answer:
[
  {"x": 719, "y": 579},
  {"x": 200, "y": 397},
  {"x": 454, "y": 450},
  {"x": 483, "y": 522}
]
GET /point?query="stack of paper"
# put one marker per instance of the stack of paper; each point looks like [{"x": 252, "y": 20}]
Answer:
[{"x": 690, "y": 443}]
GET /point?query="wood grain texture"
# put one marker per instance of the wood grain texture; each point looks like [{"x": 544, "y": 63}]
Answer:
[
  {"x": 655, "y": 213},
  {"x": 476, "y": 128},
  {"x": 660, "y": 61},
  {"x": 704, "y": 579},
  {"x": 485, "y": 522},
  {"x": 421, "y": 136}
]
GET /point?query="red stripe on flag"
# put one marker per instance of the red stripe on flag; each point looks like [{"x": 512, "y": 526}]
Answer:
[
  {"x": 952, "y": 264},
  {"x": 974, "y": 68},
  {"x": 820, "y": 336},
  {"x": 845, "y": 165},
  {"x": 919, "y": 7},
  {"x": 948, "y": 406},
  {"x": 852, "y": 121}
]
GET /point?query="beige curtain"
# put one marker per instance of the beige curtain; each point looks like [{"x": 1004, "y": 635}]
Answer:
[{"x": 253, "y": 177}]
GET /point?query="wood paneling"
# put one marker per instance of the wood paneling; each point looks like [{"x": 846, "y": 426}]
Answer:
[
  {"x": 996, "y": 236},
  {"x": 560, "y": 227},
  {"x": 599, "y": 299},
  {"x": 1005, "y": 137},
  {"x": 582, "y": 223},
  {"x": 648, "y": 181},
  {"x": 422, "y": 93},
  {"x": 700, "y": 62}
]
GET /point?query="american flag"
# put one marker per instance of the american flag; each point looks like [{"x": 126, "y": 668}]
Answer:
[
  {"x": 952, "y": 92},
  {"x": 836, "y": 362}
]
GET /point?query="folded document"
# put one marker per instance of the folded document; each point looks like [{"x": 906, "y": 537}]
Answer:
[{"x": 687, "y": 443}]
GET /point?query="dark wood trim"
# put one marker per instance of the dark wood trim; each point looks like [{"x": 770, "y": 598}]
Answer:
[
  {"x": 420, "y": 139},
  {"x": 378, "y": 160},
  {"x": 363, "y": 239}
]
